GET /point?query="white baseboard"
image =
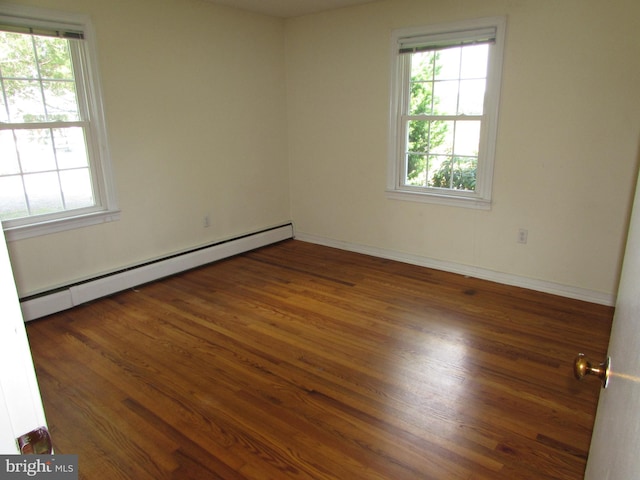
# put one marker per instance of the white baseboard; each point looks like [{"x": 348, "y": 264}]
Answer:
[
  {"x": 63, "y": 298},
  {"x": 476, "y": 272}
]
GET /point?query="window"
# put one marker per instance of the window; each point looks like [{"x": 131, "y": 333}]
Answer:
[
  {"x": 444, "y": 104},
  {"x": 54, "y": 162}
]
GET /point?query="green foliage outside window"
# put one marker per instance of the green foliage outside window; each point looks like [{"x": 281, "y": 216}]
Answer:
[
  {"x": 423, "y": 135},
  {"x": 426, "y": 136},
  {"x": 464, "y": 174}
]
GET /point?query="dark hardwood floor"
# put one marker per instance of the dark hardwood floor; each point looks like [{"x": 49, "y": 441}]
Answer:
[{"x": 301, "y": 361}]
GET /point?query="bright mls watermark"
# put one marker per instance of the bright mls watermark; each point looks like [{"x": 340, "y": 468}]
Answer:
[{"x": 50, "y": 467}]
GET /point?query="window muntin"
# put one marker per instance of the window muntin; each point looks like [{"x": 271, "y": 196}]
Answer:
[
  {"x": 445, "y": 88},
  {"x": 54, "y": 164}
]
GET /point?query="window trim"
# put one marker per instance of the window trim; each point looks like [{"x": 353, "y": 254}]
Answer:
[
  {"x": 106, "y": 209},
  {"x": 481, "y": 198}
]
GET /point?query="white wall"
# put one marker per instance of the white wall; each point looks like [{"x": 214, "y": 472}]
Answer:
[
  {"x": 194, "y": 99},
  {"x": 567, "y": 150}
]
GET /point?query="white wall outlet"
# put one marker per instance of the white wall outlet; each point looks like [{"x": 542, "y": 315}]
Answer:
[{"x": 523, "y": 233}]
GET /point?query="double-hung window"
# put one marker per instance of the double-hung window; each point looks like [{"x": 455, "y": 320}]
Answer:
[
  {"x": 54, "y": 161},
  {"x": 444, "y": 104}
]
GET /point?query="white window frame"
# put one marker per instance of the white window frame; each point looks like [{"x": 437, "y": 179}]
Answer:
[
  {"x": 87, "y": 79},
  {"x": 396, "y": 189}
]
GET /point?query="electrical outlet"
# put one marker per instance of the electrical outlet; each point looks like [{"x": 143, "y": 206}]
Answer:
[
  {"x": 523, "y": 233},
  {"x": 206, "y": 223}
]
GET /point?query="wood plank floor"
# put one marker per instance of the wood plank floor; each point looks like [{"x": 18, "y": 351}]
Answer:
[{"x": 298, "y": 361}]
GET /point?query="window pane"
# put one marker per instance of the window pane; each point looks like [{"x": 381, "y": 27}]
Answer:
[
  {"x": 441, "y": 137},
  {"x": 474, "y": 61},
  {"x": 76, "y": 188},
  {"x": 467, "y": 138},
  {"x": 416, "y": 170},
  {"x": 420, "y": 102},
  {"x": 24, "y": 99},
  {"x": 17, "y": 58},
  {"x": 418, "y": 136},
  {"x": 422, "y": 66},
  {"x": 36, "y": 150},
  {"x": 446, "y": 97},
  {"x": 421, "y": 83},
  {"x": 464, "y": 174},
  {"x": 61, "y": 101},
  {"x": 8, "y": 157},
  {"x": 448, "y": 64},
  {"x": 439, "y": 171},
  {"x": 457, "y": 173},
  {"x": 43, "y": 192},
  {"x": 471, "y": 100},
  {"x": 70, "y": 147},
  {"x": 12, "y": 201},
  {"x": 54, "y": 58}
]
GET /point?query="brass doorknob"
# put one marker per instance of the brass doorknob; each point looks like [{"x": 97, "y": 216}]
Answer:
[{"x": 584, "y": 366}]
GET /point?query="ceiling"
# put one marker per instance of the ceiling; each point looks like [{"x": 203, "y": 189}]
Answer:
[{"x": 289, "y": 8}]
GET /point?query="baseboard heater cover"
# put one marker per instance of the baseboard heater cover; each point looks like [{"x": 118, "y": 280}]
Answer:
[{"x": 76, "y": 294}]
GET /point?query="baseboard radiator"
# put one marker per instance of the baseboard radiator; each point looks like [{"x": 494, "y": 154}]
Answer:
[{"x": 63, "y": 298}]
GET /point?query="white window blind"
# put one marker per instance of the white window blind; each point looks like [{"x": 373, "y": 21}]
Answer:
[{"x": 440, "y": 41}]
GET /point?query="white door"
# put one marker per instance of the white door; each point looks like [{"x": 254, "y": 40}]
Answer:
[
  {"x": 614, "y": 453},
  {"x": 20, "y": 403}
]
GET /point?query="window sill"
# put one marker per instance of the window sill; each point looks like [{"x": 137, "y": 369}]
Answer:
[
  {"x": 439, "y": 199},
  {"x": 55, "y": 226}
]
